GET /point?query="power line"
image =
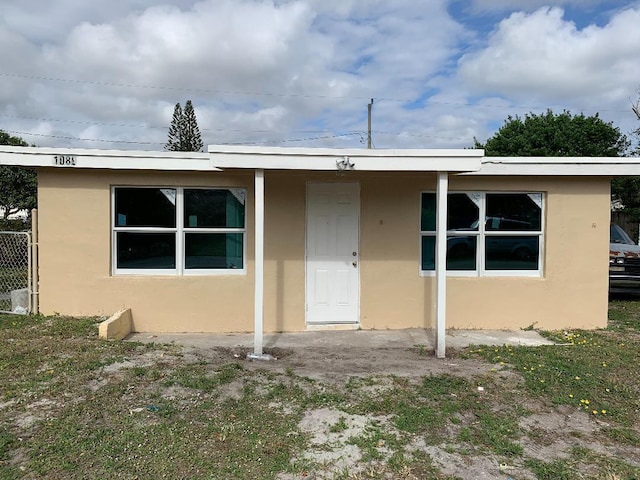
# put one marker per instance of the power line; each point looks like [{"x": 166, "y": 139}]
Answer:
[
  {"x": 322, "y": 138},
  {"x": 291, "y": 95},
  {"x": 65, "y": 137},
  {"x": 164, "y": 127},
  {"x": 81, "y": 122},
  {"x": 405, "y": 134},
  {"x": 180, "y": 89},
  {"x": 345, "y": 134}
]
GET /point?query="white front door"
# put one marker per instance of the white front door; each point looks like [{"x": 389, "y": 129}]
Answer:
[{"x": 333, "y": 258}]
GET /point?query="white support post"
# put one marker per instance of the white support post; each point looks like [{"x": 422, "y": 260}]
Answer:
[
  {"x": 35, "y": 279},
  {"x": 259, "y": 268},
  {"x": 441, "y": 262}
]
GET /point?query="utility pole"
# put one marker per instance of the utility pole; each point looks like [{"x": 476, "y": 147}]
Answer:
[{"x": 369, "y": 124}]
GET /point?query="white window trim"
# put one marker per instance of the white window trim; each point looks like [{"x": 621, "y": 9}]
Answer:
[
  {"x": 482, "y": 234},
  {"x": 180, "y": 232}
]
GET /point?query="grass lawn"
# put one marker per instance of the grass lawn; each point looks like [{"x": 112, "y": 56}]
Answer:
[{"x": 75, "y": 406}]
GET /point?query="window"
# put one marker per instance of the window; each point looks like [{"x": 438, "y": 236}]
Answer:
[
  {"x": 178, "y": 230},
  {"x": 508, "y": 242}
]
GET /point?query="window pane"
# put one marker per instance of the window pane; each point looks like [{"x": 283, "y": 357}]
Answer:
[
  {"x": 461, "y": 253},
  {"x": 428, "y": 253},
  {"x": 512, "y": 253},
  {"x": 512, "y": 211},
  {"x": 209, "y": 208},
  {"x": 213, "y": 250},
  {"x": 428, "y": 212},
  {"x": 463, "y": 212},
  {"x": 145, "y": 207},
  {"x": 146, "y": 250},
  {"x": 618, "y": 235}
]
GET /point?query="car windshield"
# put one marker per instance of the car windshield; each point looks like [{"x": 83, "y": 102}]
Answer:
[{"x": 618, "y": 235}]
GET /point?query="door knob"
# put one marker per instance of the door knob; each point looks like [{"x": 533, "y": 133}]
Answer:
[{"x": 355, "y": 264}]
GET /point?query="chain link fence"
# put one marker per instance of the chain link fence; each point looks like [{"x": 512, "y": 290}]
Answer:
[{"x": 15, "y": 272}]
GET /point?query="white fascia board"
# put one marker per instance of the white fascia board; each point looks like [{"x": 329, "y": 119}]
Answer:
[
  {"x": 560, "y": 166},
  {"x": 282, "y": 158},
  {"x": 105, "y": 159}
]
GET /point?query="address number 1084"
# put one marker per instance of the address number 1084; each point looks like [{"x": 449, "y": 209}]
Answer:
[{"x": 64, "y": 160}]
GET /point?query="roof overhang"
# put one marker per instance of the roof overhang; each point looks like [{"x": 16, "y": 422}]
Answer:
[
  {"x": 560, "y": 166},
  {"x": 461, "y": 161},
  {"x": 285, "y": 158},
  {"x": 109, "y": 159}
]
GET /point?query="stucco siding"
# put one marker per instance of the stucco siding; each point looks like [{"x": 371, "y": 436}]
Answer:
[
  {"x": 75, "y": 258},
  {"x": 76, "y": 278},
  {"x": 284, "y": 269},
  {"x": 573, "y": 291}
]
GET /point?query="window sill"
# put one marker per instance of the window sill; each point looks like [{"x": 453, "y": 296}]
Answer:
[
  {"x": 173, "y": 273},
  {"x": 487, "y": 274}
]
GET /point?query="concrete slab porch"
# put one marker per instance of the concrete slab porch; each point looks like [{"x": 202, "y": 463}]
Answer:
[{"x": 388, "y": 339}]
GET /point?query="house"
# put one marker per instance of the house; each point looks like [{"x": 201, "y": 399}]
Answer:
[
  {"x": 243, "y": 239},
  {"x": 22, "y": 215}
]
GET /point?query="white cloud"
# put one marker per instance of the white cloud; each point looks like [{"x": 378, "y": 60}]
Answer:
[
  {"x": 222, "y": 44},
  {"x": 296, "y": 68},
  {"x": 46, "y": 22},
  {"x": 272, "y": 71},
  {"x": 543, "y": 58}
]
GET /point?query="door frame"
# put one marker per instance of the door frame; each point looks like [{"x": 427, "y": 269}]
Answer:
[{"x": 320, "y": 325}]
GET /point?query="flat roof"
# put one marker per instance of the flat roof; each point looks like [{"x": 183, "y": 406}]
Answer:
[
  {"x": 218, "y": 157},
  {"x": 105, "y": 159},
  {"x": 291, "y": 158},
  {"x": 562, "y": 166}
]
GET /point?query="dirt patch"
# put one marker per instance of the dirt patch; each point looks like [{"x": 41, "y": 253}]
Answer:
[
  {"x": 469, "y": 467},
  {"x": 334, "y": 365},
  {"x": 6, "y": 404},
  {"x": 548, "y": 434},
  {"x": 240, "y": 353},
  {"x": 331, "y": 440},
  {"x": 146, "y": 359},
  {"x": 578, "y": 430},
  {"x": 328, "y": 444},
  {"x": 34, "y": 412}
]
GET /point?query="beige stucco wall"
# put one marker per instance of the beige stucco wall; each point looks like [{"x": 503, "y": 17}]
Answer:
[
  {"x": 571, "y": 293},
  {"x": 75, "y": 256},
  {"x": 574, "y": 289}
]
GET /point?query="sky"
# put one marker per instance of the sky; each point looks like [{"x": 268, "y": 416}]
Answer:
[{"x": 301, "y": 73}]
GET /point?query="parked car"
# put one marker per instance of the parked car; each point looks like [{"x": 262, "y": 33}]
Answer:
[
  {"x": 624, "y": 262},
  {"x": 521, "y": 247}
]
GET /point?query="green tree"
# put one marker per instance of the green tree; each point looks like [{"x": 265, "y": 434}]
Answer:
[
  {"x": 566, "y": 135},
  {"x": 556, "y": 135},
  {"x": 627, "y": 189},
  {"x": 184, "y": 133},
  {"x": 18, "y": 186},
  {"x": 190, "y": 130},
  {"x": 636, "y": 133},
  {"x": 174, "y": 140}
]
